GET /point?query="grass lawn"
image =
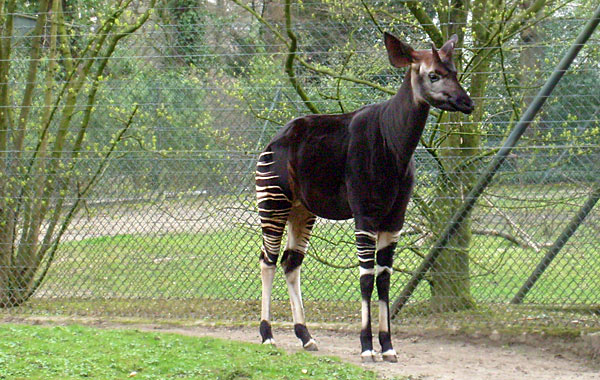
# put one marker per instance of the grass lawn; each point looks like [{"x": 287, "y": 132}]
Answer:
[
  {"x": 224, "y": 265},
  {"x": 76, "y": 352},
  {"x": 214, "y": 273}
]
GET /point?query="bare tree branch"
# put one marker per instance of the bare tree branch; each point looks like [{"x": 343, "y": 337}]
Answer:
[
  {"x": 526, "y": 238},
  {"x": 425, "y": 21},
  {"x": 289, "y": 63}
]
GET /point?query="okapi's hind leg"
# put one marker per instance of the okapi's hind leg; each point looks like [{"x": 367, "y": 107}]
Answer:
[
  {"x": 273, "y": 208},
  {"x": 300, "y": 223}
]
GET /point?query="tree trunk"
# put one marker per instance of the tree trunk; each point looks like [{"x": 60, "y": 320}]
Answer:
[
  {"x": 530, "y": 59},
  {"x": 450, "y": 281},
  {"x": 6, "y": 184},
  {"x": 450, "y": 275}
]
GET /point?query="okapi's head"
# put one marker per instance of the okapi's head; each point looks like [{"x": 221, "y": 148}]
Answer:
[{"x": 433, "y": 76}]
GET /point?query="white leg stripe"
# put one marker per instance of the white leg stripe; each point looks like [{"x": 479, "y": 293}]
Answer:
[
  {"x": 265, "y": 188},
  {"x": 364, "y": 271},
  {"x": 381, "y": 269},
  {"x": 386, "y": 238},
  {"x": 265, "y": 176},
  {"x": 293, "y": 281},
  {"x": 297, "y": 239},
  {"x": 371, "y": 235},
  {"x": 365, "y": 260},
  {"x": 383, "y": 317},
  {"x": 267, "y": 273},
  {"x": 365, "y": 314},
  {"x": 265, "y": 153}
]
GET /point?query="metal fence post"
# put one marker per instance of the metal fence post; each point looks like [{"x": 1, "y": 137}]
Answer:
[
  {"x": 486, "y": 177},
  {"x": 562, "y": 239}
]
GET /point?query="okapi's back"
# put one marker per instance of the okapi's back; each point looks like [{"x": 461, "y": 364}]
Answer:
[
  {"x": 313, "y": 129},
  {"x": 309, "y": 159}
]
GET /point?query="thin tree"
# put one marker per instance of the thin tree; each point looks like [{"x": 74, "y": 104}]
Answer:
[{"x": 43, "y": 130}]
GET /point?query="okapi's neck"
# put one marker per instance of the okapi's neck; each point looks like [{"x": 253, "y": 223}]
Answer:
[{"x": 403, "y": 120}]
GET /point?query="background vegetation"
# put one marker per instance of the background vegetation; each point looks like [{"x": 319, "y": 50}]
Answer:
[{"x": 155, "y": 200}]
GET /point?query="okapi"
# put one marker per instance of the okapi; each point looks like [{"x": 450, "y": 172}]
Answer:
[{"x": 354, "y": 165}]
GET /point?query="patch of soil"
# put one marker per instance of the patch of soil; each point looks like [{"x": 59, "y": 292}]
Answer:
[{"x": 421, "y": 356}]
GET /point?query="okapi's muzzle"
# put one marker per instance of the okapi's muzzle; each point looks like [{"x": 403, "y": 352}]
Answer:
[{"x": 462, "y": 103}]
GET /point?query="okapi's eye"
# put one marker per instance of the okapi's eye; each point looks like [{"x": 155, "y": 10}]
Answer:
[{"x": 433, "y": 77}]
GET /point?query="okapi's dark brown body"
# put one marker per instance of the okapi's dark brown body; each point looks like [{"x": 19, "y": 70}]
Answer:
[{"x": 355, "y": 165}]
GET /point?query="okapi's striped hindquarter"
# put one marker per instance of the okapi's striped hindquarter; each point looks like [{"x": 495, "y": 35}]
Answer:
[{"x": 355, "y": 165}]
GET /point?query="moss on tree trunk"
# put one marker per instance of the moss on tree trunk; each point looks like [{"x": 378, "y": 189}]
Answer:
[{"x": 450, "y": 275}]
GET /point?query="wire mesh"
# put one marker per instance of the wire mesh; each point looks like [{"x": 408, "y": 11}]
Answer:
[{"x": 170, "y": 227}]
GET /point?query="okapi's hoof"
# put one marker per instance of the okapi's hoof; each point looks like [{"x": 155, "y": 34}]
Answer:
[
  {"x": 390, "y": 356},
  {"x": 368, "y": 356},
  {"x": 311, "y": 345},
  {"x": 270, "y": 342}
]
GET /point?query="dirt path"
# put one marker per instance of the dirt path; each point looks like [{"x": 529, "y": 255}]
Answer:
[{"x": 427, "y": 358}]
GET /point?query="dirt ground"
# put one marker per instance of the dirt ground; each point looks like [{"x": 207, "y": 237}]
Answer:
[
  {"x": 421, "y": 356},
  {"x": 428, "y": 357}
]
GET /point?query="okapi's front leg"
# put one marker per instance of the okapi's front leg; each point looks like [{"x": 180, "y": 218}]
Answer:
[
  {"x": 365, "y": 244},
  {"x": 386, "y": 243}
]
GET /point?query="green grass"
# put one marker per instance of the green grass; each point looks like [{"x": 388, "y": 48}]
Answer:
[
  {"x": 76, "y": 352},
  {"x": 224, "y": 265},
  {"x": 215, "y": 274}
]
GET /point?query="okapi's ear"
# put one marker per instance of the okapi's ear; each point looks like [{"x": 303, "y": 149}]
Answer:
[
  {"x": 448, "y": 47},
  {"x": 434, "y": 54},
  {"x": 400, "y": 53}
]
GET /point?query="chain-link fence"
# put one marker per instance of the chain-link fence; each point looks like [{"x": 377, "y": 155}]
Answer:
[{"x": 155, "y": 213}]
